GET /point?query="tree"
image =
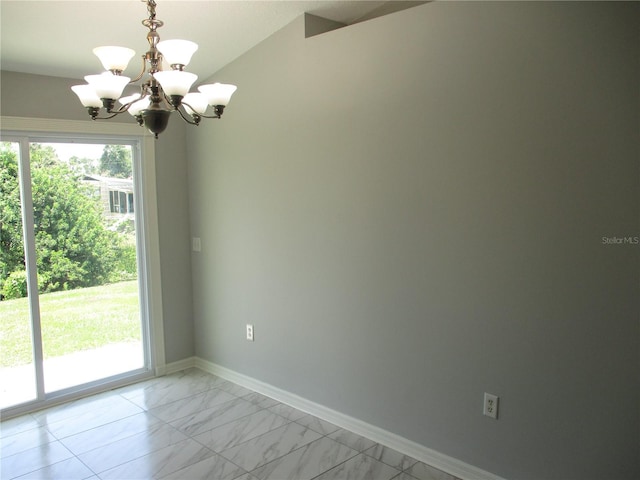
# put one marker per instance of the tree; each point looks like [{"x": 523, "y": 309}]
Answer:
[
  {"x": 74, "y": 249},
  {"x": 116, "y": 161},
  {"x": 11, "y": 248},
  {"x": 83, "y": 165}
]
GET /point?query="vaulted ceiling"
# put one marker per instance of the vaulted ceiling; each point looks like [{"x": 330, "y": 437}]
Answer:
[{"x": 54, "y": 37}]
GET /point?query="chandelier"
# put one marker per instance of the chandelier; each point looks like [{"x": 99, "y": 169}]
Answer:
[{"x": 162, "y": 91}]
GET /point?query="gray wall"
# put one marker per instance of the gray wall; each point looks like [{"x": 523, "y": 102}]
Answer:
[
  {"x": 411, "y": 211},
  {"x": 24, "y": 95}
]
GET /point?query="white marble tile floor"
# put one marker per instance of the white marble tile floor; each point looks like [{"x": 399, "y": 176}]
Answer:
[{"x": 192, "y": 425}]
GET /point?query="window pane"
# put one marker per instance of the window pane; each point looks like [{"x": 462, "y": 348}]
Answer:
[
  {"x": 17, "y": 373},
  {"x": 86, "y": 257}
]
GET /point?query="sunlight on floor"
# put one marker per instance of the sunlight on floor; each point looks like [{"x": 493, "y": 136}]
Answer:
[{"x": 17, "y": 383}]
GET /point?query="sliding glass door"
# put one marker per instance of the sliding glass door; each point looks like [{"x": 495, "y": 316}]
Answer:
[
  {"x": 71, "y": 271},
  {"x": 17, "y": 366}
]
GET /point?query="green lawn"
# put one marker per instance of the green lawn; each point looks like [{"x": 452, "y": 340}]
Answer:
[{"x": 72, "y": 321}]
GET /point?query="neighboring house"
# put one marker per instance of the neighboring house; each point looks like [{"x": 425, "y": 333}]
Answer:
[{"x": 116, "y": 194}]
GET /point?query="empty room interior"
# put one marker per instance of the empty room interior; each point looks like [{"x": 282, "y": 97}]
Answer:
[{"x": 410, "y": 244}]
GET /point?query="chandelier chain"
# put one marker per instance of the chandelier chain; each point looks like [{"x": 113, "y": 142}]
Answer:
[
  {"x": 151, "y": 8},
  {"x": 152, "y": 23}
]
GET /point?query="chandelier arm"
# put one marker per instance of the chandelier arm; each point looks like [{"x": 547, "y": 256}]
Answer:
[
  {"x": 216, "y": 115},
  {"x": 218, "y": 111},
  {"x": 122, "y": 109},
  {"x": 196, "y": 117},
  {"x": 144, "y": 69},
  {"x": 125, "y": 107},
  {"x": 113, "y": 114}
]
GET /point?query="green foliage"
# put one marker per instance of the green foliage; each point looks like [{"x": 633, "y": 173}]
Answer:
[
  {"x": 127, "y": 227},
  {"x": 83, "y": 166},
  {"x": 11, "y": 248},
  {"x": 15, "y": 286},
  {"x": 116, "y": 161},
  {"x": 74, "y": 248},
  {"x": 126, "y": 265}
]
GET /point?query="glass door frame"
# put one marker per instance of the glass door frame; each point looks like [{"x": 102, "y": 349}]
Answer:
[{"x": 32, "y": 130}]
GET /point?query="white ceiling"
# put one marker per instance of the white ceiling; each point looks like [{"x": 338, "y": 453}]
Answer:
[{"x": 56, "y": 37}]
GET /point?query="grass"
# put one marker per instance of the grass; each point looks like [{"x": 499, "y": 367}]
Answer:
[{"x": 72, "y": 321}]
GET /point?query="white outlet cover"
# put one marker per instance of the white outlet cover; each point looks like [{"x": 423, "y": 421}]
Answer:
[
  {"x": 490, "y": 405},
  {"x": 250, "y": 332},
  {"x": 195, "y": 244}
]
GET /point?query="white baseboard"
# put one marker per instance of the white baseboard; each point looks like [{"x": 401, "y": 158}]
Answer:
[
  {"x": 407, "y": 447},
  {"x": 174, "y": 367}
]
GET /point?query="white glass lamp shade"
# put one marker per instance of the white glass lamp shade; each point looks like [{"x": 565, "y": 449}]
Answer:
[
  {"x": 196, "y": 100},
  {"x": 87, "y": 95},
  {"x": 177, "y": 52},
  {"x": 175, "y": 82},
  {"x": 114, "y": 58},
  {"x": 139, "y": 106},
  {"x": 218, "y": 93},
  {"x": 136, "y": 107},
  {"x": 108, "y": 85}
]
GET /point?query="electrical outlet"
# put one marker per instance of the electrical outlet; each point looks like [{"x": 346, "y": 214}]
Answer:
[
  {"x": 490, "y": 408},
  {"x": 195, "y": 244},
  {"x": 250, "y": 332}
]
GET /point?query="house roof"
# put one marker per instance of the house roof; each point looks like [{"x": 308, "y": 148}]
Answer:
[{"x": 122, "y": 184}]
